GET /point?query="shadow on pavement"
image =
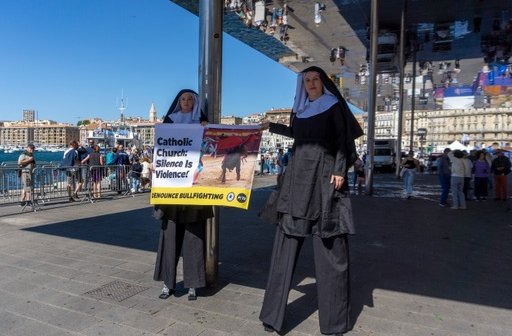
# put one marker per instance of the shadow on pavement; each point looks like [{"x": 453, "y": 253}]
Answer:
[{"x": 406, "y": 246}]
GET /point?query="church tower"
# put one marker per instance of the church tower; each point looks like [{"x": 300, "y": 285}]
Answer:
[{"x": 152, "y": 113}]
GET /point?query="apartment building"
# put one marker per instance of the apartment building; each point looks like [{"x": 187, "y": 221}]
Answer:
[
  {"x": 16, "y": 135},
  {"x": 476, "y": 127},
  {"x": 41, "y": 133},
  {"x": 271, "y": 140}
]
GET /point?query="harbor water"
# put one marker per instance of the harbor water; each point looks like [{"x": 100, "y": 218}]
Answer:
[{"x": 39, "y": 156}]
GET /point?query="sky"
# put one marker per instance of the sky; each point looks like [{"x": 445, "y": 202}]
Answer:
[{"x": 73, "y": 59}]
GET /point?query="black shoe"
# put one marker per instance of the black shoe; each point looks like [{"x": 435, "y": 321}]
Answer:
[
  {"x": 71, "y": 199},
  {"x": 166, "y": 295},
  {"x": 23, "y": 203},
  {"x": 192, "y": 295},
  {"x": 268, "y": 327}
]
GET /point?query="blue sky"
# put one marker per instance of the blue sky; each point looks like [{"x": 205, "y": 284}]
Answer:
[{"x": 71, "y": 59}]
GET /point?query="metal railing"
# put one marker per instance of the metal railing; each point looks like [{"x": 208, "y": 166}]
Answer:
[{"x": 49, "y": 183}]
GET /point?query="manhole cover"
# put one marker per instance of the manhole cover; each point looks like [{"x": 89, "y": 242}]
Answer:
[{"x": 116, "y": 290}]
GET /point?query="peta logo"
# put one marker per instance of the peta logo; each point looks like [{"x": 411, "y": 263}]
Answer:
[{"x": 242, "y": 198}]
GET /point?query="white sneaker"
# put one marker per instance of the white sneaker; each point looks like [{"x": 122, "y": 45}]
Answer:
[{"x": 454, "y": 208}]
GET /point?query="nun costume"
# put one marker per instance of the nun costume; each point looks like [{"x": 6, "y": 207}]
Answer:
[
  {"x": 313, "y": 201},
  {"x": 182, "y": 226}
]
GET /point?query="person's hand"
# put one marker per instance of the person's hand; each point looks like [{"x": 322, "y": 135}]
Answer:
[
  {"x": 264, "y": 125},
  {"x": 338, "y": 181}
]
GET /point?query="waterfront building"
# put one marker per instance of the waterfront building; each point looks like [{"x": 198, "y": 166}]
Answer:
[
  {"x": 16, "y": 135},
  {"x": 144, "y": 132},
  {"x": 55, "y": 134},
  {"x": 29, "y": 115},
  {"x": 40, "y": 132},
  {"x": 477, "y": 127},
  {"x": 231, "y": 120},
  {"x": 254, "y": 118},
  {"x": 271, "y": 140}
]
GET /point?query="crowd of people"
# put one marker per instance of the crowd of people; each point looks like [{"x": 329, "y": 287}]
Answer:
[
  {"x": 85, "y": 167},
  {"x": 472, "y": 176}
]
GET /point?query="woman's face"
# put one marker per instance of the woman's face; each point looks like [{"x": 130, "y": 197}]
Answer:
[
  {"x": 186, "y": 102},
  {"x": 313, "y": 84}
]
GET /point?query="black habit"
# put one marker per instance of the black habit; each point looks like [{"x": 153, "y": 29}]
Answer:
[
  {"x": 309, "y": 205},
  {"x": 182, "y": 233}
]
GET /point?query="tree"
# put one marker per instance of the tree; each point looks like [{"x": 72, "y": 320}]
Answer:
[{"x": 83, "y": 122}]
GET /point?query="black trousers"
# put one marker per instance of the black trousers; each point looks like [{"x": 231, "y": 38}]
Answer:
[
  {"x": 186, "y": 240},
  {"x": 332, "y": 281},
  {"x": 481, "y": 187}
]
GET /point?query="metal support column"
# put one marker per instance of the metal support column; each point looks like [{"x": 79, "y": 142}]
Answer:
[
  {"x": 210, "y": 79},
  {"x": 372, "y": 93},
  {"x": 398, "y": 150},
  {"x": 413, "y": 98}
]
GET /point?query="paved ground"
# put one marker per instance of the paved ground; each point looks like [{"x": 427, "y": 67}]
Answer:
[{"x": 417, "y": 269}]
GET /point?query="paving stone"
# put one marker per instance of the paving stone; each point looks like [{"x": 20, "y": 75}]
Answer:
[
  {"x": 136, "y": 267},
  {"x": 204, "y": 318},
  {"x": 81, "y": 304},
  {"x": 9, "y": 299},
  {"x": 9, "y": 320},
  {"x": 183, "y": 329},
  {"x": 129, "y": 275},
  {"x": 106, "y": 328},
  {"x": 52, "y": 315},
  {"x": 145, "y": 304},
  {"x": 35, "y": 328}
]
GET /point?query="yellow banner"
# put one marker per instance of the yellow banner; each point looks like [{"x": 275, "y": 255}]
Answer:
[{"x": 232, "y": 197}]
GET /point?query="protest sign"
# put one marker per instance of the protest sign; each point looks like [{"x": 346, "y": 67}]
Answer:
[{"x": 212, "y": 165}]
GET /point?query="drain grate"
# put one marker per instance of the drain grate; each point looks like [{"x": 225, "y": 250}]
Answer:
[{"x": 116, "y": 290}]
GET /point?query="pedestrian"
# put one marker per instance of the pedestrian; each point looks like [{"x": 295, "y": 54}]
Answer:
[
  {"x": 136, "y": 171},
  {"x": 410, "y": 166},
  {"x": 444, "y": 176},
  {"x": 500, "y": 168},
  {"x": 122, "y": 165},
  {"x": 468, "y": 173},
  {"x": 70, "y": 163},
  {"x": 481, "y": 169},
  {"x": 182, "y": 226},
  {"x": 145, "y": 178},
  {"x": 83, "y": 169},
  {"x": 280, "y": 166},
  {"x": 358, "y": 166},
  {"x": 490, "y": 181},
  {"x": 457, "y": 179},
  {"x": 314, "y": 201},
  {"x": 95, "y": 160},
  {"x": 26, "y": 164}
]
